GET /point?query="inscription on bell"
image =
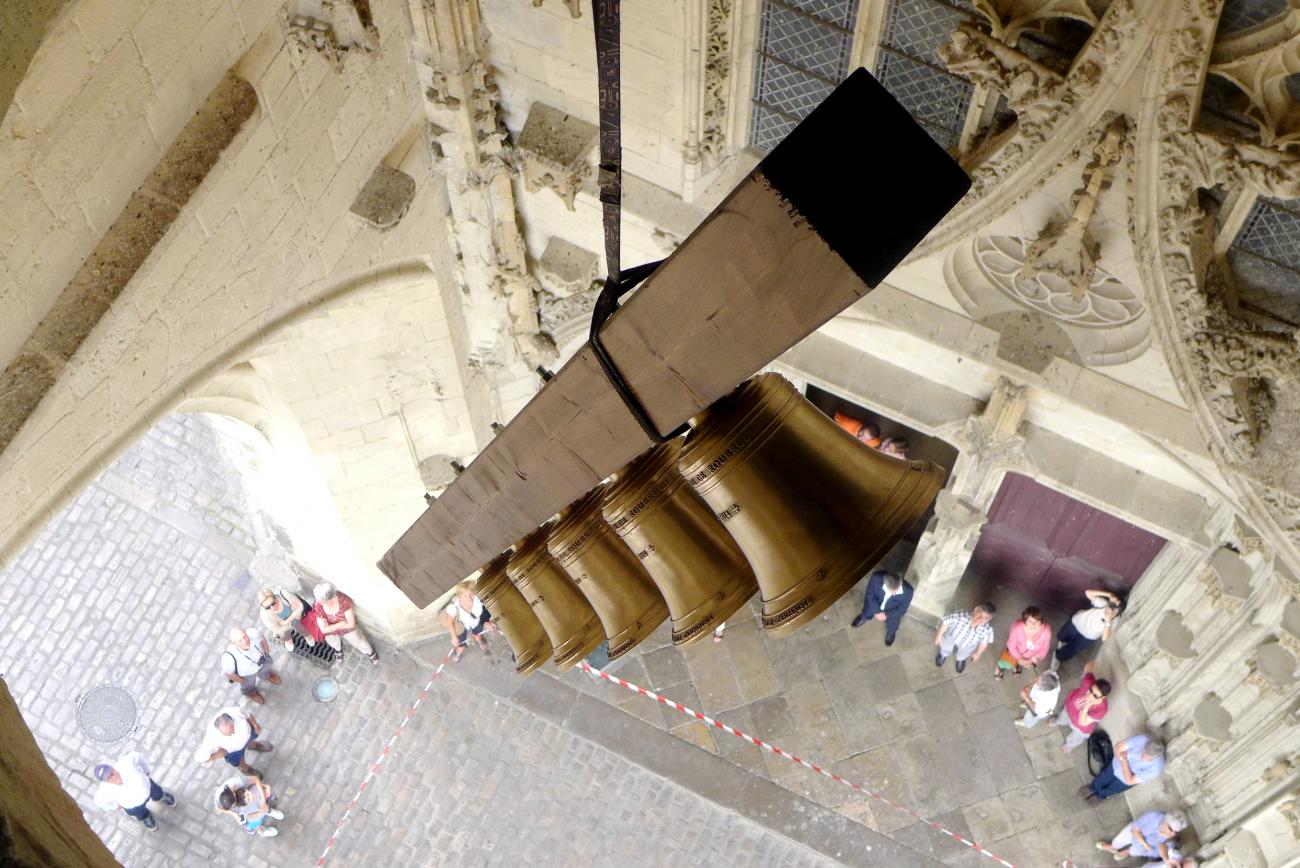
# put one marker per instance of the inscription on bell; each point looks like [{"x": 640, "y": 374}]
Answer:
[{"x": 730, "y": 512}]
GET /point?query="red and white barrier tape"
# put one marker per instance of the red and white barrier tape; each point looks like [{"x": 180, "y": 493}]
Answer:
[
  {"x": 374, "y": 768},
  {"x": 794, "y": 759}
]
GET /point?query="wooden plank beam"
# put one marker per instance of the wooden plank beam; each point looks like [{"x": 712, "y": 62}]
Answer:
[{"x": 831, "y": 211}]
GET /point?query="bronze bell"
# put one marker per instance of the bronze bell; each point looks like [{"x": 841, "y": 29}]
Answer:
[
  {"x": 608, "y": 574},
  {"x": 510, "y": 612},
  {"x": 811, "y": 507},
  {"x": 569, "y": 620},
  {"x": 696, "y": 565}
]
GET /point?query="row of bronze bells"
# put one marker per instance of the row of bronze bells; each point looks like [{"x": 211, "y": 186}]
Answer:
[{"x": 766, "y": 493}]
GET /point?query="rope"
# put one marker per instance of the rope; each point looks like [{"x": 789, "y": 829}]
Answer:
[{"x": 606, "y": 13}]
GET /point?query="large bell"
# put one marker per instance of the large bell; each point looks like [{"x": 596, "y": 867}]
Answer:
[
  {"x": 810, "y": 506},
  {"x": 608, "y": 574},
  {"x": 510, "y": 612},
  {"x": 697, "y": 567},
  {"x": 569, "y": 620}
]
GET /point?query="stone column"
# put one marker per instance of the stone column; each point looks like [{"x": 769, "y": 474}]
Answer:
[
  {"x": 473, "y": 153},
  {"x": 989, "y": 446}
]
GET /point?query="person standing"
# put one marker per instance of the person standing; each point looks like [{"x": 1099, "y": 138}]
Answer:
[
  {"x": 464, "y": 616},
  {"x": 1138, "y": 759},
  {"x": 246, "y": 659},
  {"x": 1028, "y": 643},
  {"x": 1088, "y": 626},
  {"x": 126, "y": 785},
  {"x": 887, "y": 598},
  {"x": 1039, "y": 699},
  {"x": 337, "y": 619},
  {"x": 280, "y": 610},
  {"x": 230, "y": 734},
  {"x": 1147, "y": 837},
  {"x": 246, "y": 799},
  {"x": 1084, "y": 707},
  {"x": 965, "y": 633}
]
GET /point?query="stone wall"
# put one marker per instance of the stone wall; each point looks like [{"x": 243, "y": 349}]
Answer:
[{"x": 40, "y": 825}]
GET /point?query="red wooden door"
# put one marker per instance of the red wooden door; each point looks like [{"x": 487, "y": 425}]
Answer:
[{"x": 1052, "y": 547}]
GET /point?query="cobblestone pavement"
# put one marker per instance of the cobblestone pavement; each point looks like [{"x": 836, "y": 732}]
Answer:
[{"x": 137, "y": 583}]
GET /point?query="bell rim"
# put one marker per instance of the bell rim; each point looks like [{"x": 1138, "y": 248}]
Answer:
[
  {"x": 525, "y": 665},
  {"x": 847, "y": 566},
  {"x": 686, "y": 632},
  {"x": 633, "y": 635},
  {"x": 585, "y": 640}
]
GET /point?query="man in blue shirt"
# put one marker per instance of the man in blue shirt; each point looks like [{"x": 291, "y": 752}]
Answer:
[
  {"x": 1148, "y": 836},
  {"x": 887, "y": 599},
  {"x": 1138, "y": 759}
]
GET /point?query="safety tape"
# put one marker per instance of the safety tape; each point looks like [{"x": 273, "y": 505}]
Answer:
[
  {"x": 770, "y": 748},
  {"x": 374, "y": 768}
]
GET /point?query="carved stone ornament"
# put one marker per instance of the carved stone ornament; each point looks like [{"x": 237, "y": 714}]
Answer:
[
  {"x": 554, "y": 148},
  {"x": 1290, "y": 809},
  {"x": 992, "y": 437},
  {"x": 717, "y": 81},
  {"x": 1008, "y": 19},
  {"x": 332, "y": 28}
]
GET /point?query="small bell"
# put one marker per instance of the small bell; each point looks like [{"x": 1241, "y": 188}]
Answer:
[
  {"x": 608, "y": 574},
  {"x": 570, "y": 622},
  {"x": 510, "y": 612}
]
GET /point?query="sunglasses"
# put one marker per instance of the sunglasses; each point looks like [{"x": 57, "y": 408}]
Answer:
[{"x": 1095, "y": 694}]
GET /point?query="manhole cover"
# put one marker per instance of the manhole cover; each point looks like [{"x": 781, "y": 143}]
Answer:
[{"x": 106, "y": 713}]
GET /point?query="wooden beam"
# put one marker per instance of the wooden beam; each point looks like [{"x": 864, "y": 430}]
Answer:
[{"x": 831, "y": 211}]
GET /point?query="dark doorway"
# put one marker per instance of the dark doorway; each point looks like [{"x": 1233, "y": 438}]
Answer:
[
  {"x": 1051, "y": 547},
  {"x": 919, "y": 445}
]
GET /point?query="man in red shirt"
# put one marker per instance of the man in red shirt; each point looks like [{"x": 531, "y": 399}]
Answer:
[{"x": 337, "y": 620}]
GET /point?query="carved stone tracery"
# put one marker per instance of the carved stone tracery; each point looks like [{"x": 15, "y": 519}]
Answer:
[{"x": 331, "y": 28}]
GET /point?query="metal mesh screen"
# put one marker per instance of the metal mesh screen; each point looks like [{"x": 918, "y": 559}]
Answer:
[
  {"x": 1265, "y": 259},
  {"x": 803, "y": 52},
  {"x": 1241, "y": 15}
]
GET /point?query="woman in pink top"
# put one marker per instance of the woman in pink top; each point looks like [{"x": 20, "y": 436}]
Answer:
[
  {"x": 1027, "y": 645},
  {"x": 1084, "y": 707}
]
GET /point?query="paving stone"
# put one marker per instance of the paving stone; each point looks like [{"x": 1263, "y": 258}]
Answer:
[
  {"x": 857, "y": 713},
  {"x": 885, "y": 679},
  {"x": 879, "y": 770},
  {"x": 988, "y": 820},
  {"x": 665, "y": 667},
  {"x": 902, "y": 718}
]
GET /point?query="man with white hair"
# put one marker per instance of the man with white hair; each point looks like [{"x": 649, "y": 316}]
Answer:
[
  {"x": 246, "y": 659},
  {"x": 1040, "y": 698},
  {"x": 337, "y": 619},
  {"x": 1147, "y": 837},
  {"x": 1138, "y": 759}
]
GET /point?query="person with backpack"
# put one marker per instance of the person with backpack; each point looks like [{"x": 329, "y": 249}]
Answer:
[
  {"x": 246, "y": 659},
  {"x": 281, "y": 610},
  {"x": 1138, "y": 760}
]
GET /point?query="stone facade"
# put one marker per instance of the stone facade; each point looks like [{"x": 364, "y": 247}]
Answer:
[{"x": 1074, "y": 319}]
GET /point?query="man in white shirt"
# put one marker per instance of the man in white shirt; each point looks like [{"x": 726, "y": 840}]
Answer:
[
  {"x": 1040, "y": 699},
  {"x": 245, "y": 660},
  {"x": 126, "y": 785},
  {"x": 232, "y": 732}
]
